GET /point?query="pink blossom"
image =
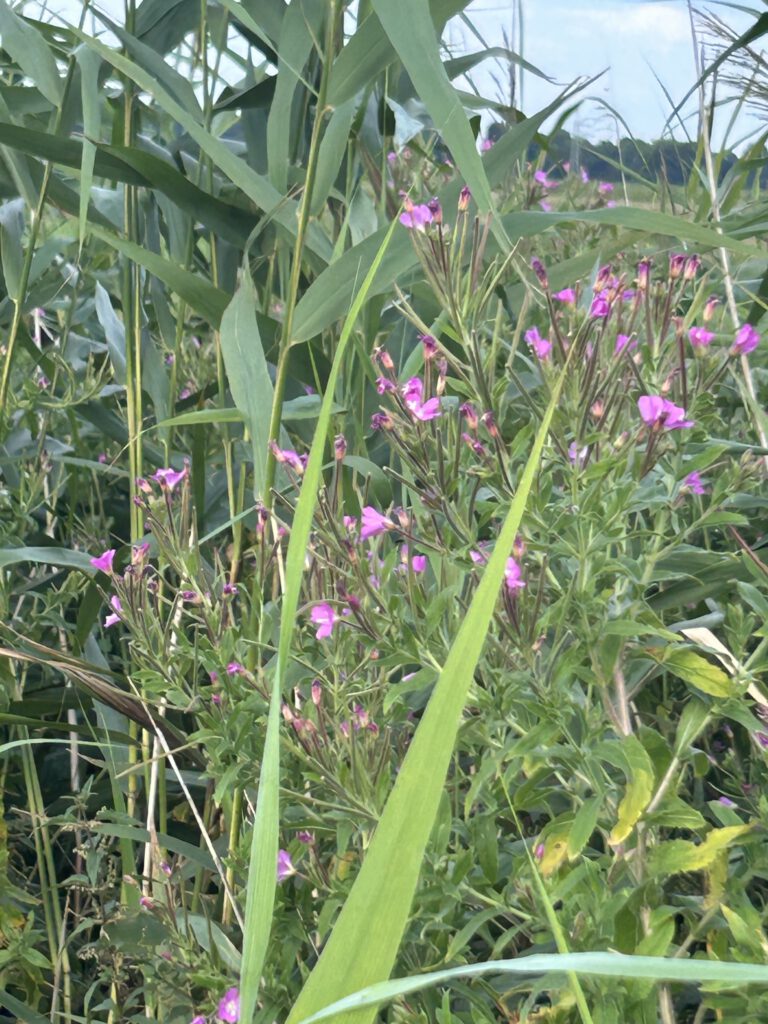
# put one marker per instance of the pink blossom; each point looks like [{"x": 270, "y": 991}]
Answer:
[
  {"x": 513, "y": 575},
  {"x": 584, "y": 176},
  {"x": 486, "y": 144},
  {"x": 567, "y": 295},
  {"x": 658, "y": 411},
  {"x": 169, "y": 477},
  {"x": 694, "y": 483},
  {"x": 576, "y": 454},
  {"x": 350, "y": 523},
  {"x": 623, "y": 341},
  {"x": 412, "y": 391},
  {"x": 541, "y": 346},
  {"x": 700, "y": 337},
  {"x": 113, "y": 618},
  {"x": 542, "y": 179},
  {"x": 747, "y": 340},
  {"x": 325, "y": 618},
  {"x": 417, "y": 217},
  {"x": 604, "y": 188},
  {"x": 546, "y": 207},
  {"x": 374, "y": 523},
  {"x": 289, "y": 457},
  {"x": 285, "y": 866},
  {"x": 229, "y": 1006},
  {"x": 104, "y": 562},
  {"x": 600, "y": 307}
]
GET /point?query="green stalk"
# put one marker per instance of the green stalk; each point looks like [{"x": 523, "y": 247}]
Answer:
[{"x": 304, "y": 214}]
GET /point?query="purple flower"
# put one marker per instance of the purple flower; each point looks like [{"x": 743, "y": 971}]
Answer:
[
  {"x": 762, "y": 739},
  {"x": 576, "y": 454},
  {"x": 604, "y": 188},
  {"x": 383, "y": 385},
  {"x": 391, "y": 157},
  {"x": 199, "y": 1019},
  {"x": 429, "y": 345},
  {"x": 479, "y": 557},
  {"x": 114, "y": 617},
  {"x": 486, "y": 144},
  {"x": 567, "y": 295},
  {"x": 540, "y": 271},
  {"x": 428, "y": 410},
  {"x": 419, "y": 563},
  {"x": 700, "y": 337},
  {"x": 726, "y": 801},
  {"x": 513, "y": 575},
  {"x": 169, "y": 477},
  {"x": 694, "y": 483},
  {"x": 229, "y": 1006},
  {"x": 546, "y": 207},
  {"x": 600, "y": 307},
  {"x": 234, "y": 668},
  {"x": 374, "y": 523},
  {"x": 305, "y": 837},
  {"x": 747, "y": 340},
  {"x": 285, "y": 869},
  {"x": 541, "y": 346},
  {"x": 417, "y": 218},
  {"x": 104, "y": 562},
  {"x": 325, "y": 618},
  {"x": 298, "y": 463},
  {"x": 676, "y": 264},
  {"x": 542, "y": 179},
  {"x": 584, "y": 176},
  {"x": 229, "y": 589},
  {"x": 658, "y": 411},
  {"x": 623, "y": 341}
]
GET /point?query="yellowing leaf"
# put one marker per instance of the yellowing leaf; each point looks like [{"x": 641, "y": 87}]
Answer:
[
  {"x": 636, "y": 799},
  {"x": 698, "y": 672},
  {"x": 555, "y": 848},
  {"x": 678, "y": 855}
]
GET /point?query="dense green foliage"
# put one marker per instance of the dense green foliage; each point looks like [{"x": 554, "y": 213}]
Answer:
[{"x": 383, "y": 583}]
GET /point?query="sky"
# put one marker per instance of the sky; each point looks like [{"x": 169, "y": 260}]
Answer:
[{"x": 629, "y": 40}]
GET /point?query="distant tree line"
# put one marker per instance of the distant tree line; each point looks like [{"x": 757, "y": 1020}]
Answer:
[{"x": 663, "y": 159}]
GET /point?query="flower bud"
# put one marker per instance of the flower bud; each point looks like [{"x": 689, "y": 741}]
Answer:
[
  {"x": 692, "y": 265},
  {"x": 340, "y": 447},
  {"x": 643, "y": 274},
  {"x": 676, "y": 263},
  {"x": 464, "y": 196},
  {"x": 539, "y": 270},
  {"x": 709, "y": 308},
  {"x": 436, "y": 210}
]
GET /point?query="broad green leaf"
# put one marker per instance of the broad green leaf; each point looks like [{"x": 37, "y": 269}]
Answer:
[
  {"x": 692, "y": 723},
  {"x": 412, "y": 33},
  {"x": 137, "y": 167},
  {"x": 584, "y": 824},
  {"x": 247, "y": 373},
  {"x": 332, "y": 150},
  {"x": 697, "y": 671},
  {"x": 364, "y": 941},
  {"x": 11, "y": 250},
  {"x": 201, "y": 416},
  {"x": 677, "y": 855},
  {"x": 300, "y": 29},
  {"x": 254, "y": 185},
  {"x": 30, "y": 51},
  {"x": 89, "y": 90},
  {"x": 370, "y": 51},
  {"x": 46, "y": 556},
  {"x": 203, "y": 297},
  {"x": 19, "y": 1010},
  {"x": 606, "y": 965},
  {"x": 114, "y": 332},
  {"x": 262, "y": 873},
  {"x": 162, "y": 24}
]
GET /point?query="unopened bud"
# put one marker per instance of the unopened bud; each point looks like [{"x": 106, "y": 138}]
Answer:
[
  {"x": 692, "y": 265},
  {"x": 317, "y": 693},
  {"x": 340, "y": 446},
  {"x": 464, "y": 196},
  {"x": 436, "y": 210},
  {"x": 489, "y": 421},
  {"x": 709, "y": 308},
  {"x": 643, "y": 274},
  {"x": 469, "y": 413},
  {"x": 676, "y": 264},
  {"x": 540, "y": 271},
  {"x": 429, "y": 344}
]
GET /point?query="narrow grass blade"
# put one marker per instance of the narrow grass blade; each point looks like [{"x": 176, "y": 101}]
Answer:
[
  {"x": 365, "y": 939},
  {"x": 262, "y": 873},
  {"x": 606, "y": 965},
  {"x": 248, "y": 374}
]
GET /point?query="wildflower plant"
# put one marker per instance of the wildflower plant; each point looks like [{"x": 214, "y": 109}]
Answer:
[{"x": 382, "y": 585}]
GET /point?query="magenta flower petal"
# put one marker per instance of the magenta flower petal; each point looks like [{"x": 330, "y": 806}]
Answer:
[
  {"x": 373, "y": 523},
  {"x": 567, "y": 295},
  {"x": 694, "y": 483},
  {"x": 513, "y": 575},
  {"x": 428, "y": 410},
  {"x": 651, "y": 408},
  {"x": 229, "y": 1006},
  {"x": 104, "y": 562},
  {"x": 541, "y": 346},
  {"x": 285, "y": 866},
  {"x": 114, "y": 617},
  {"x": 169, "y": 477},
  {"x": 325, "y": 618},
  {"x": 700, "y": 337},
  {"x": 747, "y": 340}
]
